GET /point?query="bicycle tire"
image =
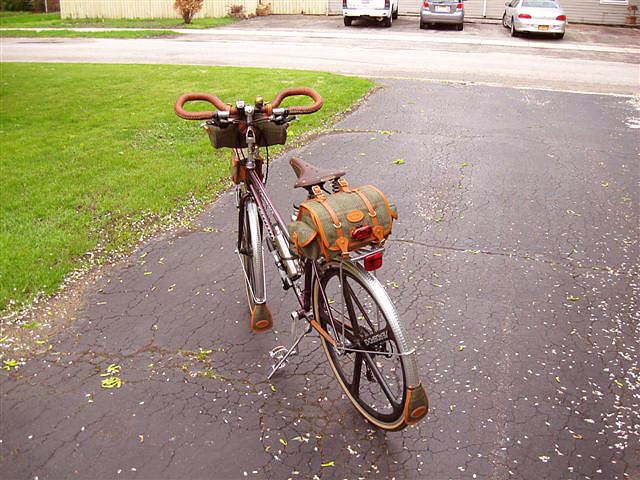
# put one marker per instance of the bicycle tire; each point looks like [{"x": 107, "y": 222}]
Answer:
[
  {"x": 361, "y": 375},
  {"x": 253, "y": 256}
]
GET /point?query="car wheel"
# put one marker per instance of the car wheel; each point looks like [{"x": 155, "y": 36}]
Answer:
[
  {"x": 504, "y": 20},
  {"x": 423, "y": 26},
  {"x": 560, "y": 35},
  {"x": 395, "y": 13},
  {"x": 460, "y": 27},
  {"x": 514, "y": 32},
  {"x": 347, "y": 21},
  {"x": 388, "y": 21}
]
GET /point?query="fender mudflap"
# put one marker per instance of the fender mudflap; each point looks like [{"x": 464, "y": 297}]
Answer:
[
  {"x": 261, "y": 320},
  {"x": 416, "y": 406}
]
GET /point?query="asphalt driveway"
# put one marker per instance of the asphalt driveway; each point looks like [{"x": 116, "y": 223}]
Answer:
[{"x": 516, "y": 265}]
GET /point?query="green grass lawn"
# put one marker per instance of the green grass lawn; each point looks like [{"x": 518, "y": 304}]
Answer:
[
  {"x": 28, "y": 19},
  {"x": 103, "y": 34},
  {"x": 93, "y": 155}
]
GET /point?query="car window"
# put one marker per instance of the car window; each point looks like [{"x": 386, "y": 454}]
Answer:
[
  {"x": 514, "y": 3},
  {"x": 539, "y": 3}
]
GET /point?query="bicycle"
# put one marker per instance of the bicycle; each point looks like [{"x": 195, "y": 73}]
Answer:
[{"x": 340, "y": 299}]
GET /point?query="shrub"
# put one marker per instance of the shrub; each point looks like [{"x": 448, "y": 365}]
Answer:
[
  {"x": 188, "y": 8},
  {"x": 236, "y": 11},
  {"x": 17, "y": 5}
]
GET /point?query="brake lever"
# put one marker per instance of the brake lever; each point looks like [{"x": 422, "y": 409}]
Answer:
[
  {"x": 282, "y": 119},
  {"x": 218, "y": 122}
]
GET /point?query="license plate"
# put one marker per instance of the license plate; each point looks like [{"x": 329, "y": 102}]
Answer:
[
  {"x": 543, "y": 27},
  {"x": 442, "y": 9}
]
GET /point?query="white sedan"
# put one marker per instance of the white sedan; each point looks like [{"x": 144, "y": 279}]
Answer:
[{"x": 534, "y": 16}]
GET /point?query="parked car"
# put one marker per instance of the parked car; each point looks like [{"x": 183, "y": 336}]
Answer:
[
  {"x": 539, "y": 16},
  {"x": 442, "y": 11},
  {"x": 385, "y": 11}
]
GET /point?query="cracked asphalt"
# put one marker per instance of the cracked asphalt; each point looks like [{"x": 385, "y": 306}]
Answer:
[{"x": 516, "y": 263}]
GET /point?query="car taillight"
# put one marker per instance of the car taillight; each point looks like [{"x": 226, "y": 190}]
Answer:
[
  {"x": 561, "y": 18},
  {"x": 425, "y": 4},
  {"x": 524, "y": 15},
  {"x": 459, "y": 7},
  {"x": 344, "y": 3},
  {"x": 373, "y": 261},
  {"x": 386, "y": 3}
]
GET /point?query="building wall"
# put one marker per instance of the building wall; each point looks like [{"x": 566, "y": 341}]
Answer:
[
  {"x": 164, "y": 8},
  {"x": 578, "y": 11}
]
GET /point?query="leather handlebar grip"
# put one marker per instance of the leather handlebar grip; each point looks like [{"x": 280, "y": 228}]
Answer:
[
  {"x": 220, "y": 105},
  {"x": 306, "y": 91},
  {"x": 203, "y": 115}
]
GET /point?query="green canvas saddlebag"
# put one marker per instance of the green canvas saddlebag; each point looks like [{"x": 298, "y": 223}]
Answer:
[
  {"x": 326, "y": 224},
  {"x": 233, "y": 136}
]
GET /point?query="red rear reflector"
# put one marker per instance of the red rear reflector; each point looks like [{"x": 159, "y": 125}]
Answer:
[
  {"x": 524, "y": 15},
  {"x": 373, "y": 261},
  {"x": 425, "y": 4},
  {"x": 561, "y": 17},
  {"x": 459, "y": 7},
  {"x": 361, "y": 233}
]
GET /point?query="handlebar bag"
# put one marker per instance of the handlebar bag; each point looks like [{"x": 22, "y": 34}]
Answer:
[
  {"x": 233, "y": 136},
  {"x": 325, "y": 223}
]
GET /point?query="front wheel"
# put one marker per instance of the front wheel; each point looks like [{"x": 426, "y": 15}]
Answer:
[
  {"x": 367, "y": 350},
  {"x": 252, "y": 257}
]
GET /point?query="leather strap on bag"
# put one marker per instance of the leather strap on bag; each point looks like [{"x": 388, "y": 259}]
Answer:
[
  {"x": 344, "y": 185},
  {"x": 378, "y": 230},
  {"x": 342, "y": 242}
]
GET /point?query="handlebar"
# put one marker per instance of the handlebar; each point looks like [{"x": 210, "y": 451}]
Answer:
[{"x": 267, "y": 108}]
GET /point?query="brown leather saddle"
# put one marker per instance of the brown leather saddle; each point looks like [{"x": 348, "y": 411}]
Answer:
[{"x": 309, "y": 175}]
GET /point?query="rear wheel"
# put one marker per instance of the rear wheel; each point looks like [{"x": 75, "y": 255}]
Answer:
[
  {"x": 504, "y": 20},
  {"x": 460, "y": 26},
  {"x": 560, "y": 35},
  {"x": 363, "y": 318},
  {"x": 347, "y": 21},
  {"x": 395, "y": 13},
  {"x": 514, "y": 32},
  {"x": 388, "y": 21},
  {"x": 423, "y": 26},
  {"x": 252, "y": 255}
]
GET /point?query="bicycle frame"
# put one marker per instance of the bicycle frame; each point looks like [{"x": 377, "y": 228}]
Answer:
[{"x": 256, "y": 190}]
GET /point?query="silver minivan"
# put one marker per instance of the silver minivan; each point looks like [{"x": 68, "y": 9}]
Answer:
[{"x": 442, "y": 11}]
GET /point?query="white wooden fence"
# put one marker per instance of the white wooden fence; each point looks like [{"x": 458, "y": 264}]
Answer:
[{"x": 164, "y": 8}]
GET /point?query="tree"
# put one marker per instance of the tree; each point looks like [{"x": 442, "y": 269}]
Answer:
[{"x": 188, "y": 8}]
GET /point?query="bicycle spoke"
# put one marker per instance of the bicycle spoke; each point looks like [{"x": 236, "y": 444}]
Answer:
[
  {"x": 347, "y": 295},
  {"x": 362, "y": 310},
  {"x": 383, "y": 383}
]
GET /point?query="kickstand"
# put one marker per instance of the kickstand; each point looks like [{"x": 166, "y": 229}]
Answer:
[{"x": 290, "y": 351}]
